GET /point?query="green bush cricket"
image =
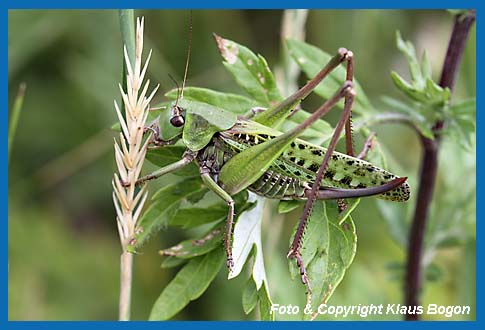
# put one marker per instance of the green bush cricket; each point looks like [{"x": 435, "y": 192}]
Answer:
[{"x": 234, "y": 153}]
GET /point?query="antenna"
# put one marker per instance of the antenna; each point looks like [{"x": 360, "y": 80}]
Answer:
[
  {"x": 177, "y": 119},
  {"x": 188, "y": 56},
  {"x": 178, "y": 89}
]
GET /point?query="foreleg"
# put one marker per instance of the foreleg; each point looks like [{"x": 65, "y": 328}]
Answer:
[{"x": 186, "y": 159}]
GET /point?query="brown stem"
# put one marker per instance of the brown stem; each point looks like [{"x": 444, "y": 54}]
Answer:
[{"x": 429, "y": 166}]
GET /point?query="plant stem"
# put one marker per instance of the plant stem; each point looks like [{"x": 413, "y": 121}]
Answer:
[
  {"x": 126, "y": 273},
  {"x": 292, "y": 27},
  {"x": 388, "y": 117},
  {"x": 429, "y": 166},
  {"x": 127, "y": 26},
  {"x": 14, "y": 116}
]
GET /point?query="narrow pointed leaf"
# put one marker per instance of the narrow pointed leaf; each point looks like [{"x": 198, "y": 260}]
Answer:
[
  {"x": 237, "y": 104},
  {"x": 188, "y": 285},
  {"x": 193, "y": 216},
  {"x": 409, "y": 52},
  {"x": 288, "y": 206},
  {"x": 265, "y": 304},
  {"x": 165, "y": 204},
  {"x": 250, "y": 296},
  {"x": 196, "y": 247},
  {"x": 170, "y": 262},
  {"x": 329, "y": 247},
  {"x": 250, "y": 71},
  {"x": 196, "y": 216}
]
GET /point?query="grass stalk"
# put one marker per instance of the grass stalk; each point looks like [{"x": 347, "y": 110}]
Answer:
[
  {"x": 14, "y": 116},
  {"x": 130, "y": 152}
]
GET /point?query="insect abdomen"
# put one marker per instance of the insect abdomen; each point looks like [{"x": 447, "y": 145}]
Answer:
[
  {"x": 301, "y": 162},
  {"x": 273, "y": 184},
  {"x": 343, "y": 171}
]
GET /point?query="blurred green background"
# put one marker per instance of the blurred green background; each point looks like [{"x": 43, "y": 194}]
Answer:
[{"x": 63, "y": 244}]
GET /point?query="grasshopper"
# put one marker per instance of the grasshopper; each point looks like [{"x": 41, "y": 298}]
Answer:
[{"x": 234, "y": 153}]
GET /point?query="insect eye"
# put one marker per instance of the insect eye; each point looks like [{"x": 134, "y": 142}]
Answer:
[{"x": 177, "y": 121}]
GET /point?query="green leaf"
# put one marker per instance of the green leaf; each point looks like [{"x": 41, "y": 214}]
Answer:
[
  {"x": 421, "y": 88},
  {"x": 464, "y": 130},
  {"x": 464, "y": 107},
  {"x": 191, "y": 216},
  {"x": 421, "y": 123},
  {"x": 171, "y": 262},
  {"x": 351, "y": 206},
  {"x": 376, "y": 155},
  {"x": 396, "y": 270},
  {"x": 196, "y": 216},
  {"x": 407, "y": 88},
  {"x": 405, "y": 108},
  {"x": 394, "y": 214},
  {"x": 170, "y": 154},
  {"x": 318, "y": 133},
  {"x": 433, "y": 273},
  {"x": 265, "y": 304},
  {"x": 424, "y": 129},
  {"x": 127, "y": 25},
  {"x": 409, "y": 52},
  {"x": 237, "y": 104},
  {"x": 165, "y": 204},
  {"x": 196, "y": 247},
  {"x": 312, "y": 59},
  {"x": 328, "y": 249},
  {"x": 426, "y": 65},
  {"x": 250, "y": 296},
  {"x": 449, "y": 240},
  {"x": 250, "y": 71},
  {"x": 288, "y": 206},
  {"x": 461, "y": 123},
  {"x": 189, "y": 284}
]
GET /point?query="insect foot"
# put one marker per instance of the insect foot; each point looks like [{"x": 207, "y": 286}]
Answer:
[
  {"x": 230, "y": 263},
  {"x": 349, "y": 55},
  {"x": 156, "y": 139},
  {"x": 295, "y": 254},
  {"x": 153, "y": 127},
  {"x": 343, "y": 53}
]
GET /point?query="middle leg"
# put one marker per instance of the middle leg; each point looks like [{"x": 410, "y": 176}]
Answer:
[{"x": 212, "y": 185}]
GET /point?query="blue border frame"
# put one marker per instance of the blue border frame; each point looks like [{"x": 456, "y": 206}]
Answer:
[
  {"x": 253, "y": 4},
  {"x": 246, "y": 4}
]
